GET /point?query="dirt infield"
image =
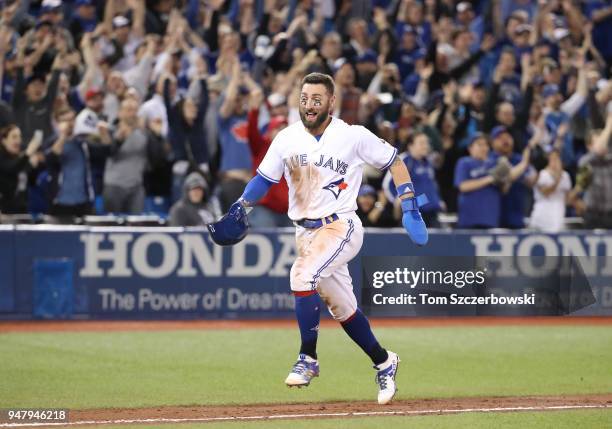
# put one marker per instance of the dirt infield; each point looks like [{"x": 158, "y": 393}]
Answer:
[
  {"x": 168, "y": 325},
  {"x": 205, "y": 414},
  {"x": 416, "y": 407}
]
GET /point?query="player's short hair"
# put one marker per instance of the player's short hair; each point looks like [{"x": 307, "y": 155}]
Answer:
[{"x": 320, "y": 79}]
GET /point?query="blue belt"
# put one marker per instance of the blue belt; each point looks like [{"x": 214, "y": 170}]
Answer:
[{"x": 317, "y": 223}]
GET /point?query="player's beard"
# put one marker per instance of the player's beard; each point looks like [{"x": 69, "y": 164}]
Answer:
[{"x": 317, "y": 121}]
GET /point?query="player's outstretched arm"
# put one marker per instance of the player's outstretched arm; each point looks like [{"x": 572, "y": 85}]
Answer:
[
  {"x": 411, "y": 219},
  {"x": 234, "y": 225},
  {"x": 255, "y": 190}
]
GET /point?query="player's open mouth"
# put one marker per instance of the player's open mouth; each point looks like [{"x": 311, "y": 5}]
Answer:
[{"x": 311, "y": 115}]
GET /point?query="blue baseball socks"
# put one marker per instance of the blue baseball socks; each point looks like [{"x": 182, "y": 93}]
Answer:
[
  {"x": 308, "y": 313},
  {"x": 358, "y": 328}
]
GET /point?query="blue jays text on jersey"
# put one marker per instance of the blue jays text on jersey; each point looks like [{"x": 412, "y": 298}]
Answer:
[{"x": 324, "y": 161}]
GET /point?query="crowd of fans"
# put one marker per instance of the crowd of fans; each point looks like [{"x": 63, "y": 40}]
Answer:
[{"x": 501, "y": 109}]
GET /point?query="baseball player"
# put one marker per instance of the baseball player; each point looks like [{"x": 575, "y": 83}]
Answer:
[{"x": 322, "y": 158}]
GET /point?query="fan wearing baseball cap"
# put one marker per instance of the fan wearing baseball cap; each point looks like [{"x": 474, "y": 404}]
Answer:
[
  {"x": 522, "y": 177},
  {"x": 479, "y": 202},
  {"x": 500, "y": 106},
  {"x": 51, "y": 17},
  {"x": 423, "y": 173},
  {"x": 34, "y": 110},
  {"x": 84, "y": 18},
  {"x": 127, "y": 36},
  {"x": 373, "y": 208},
  {"x": 467, "y": 17},
  {"x": 236, "y": 166},
  {"x": 51, "y": 11},
  {"x": 87, "y": 121},
  {"x": 408, "y": 51},
  {"x": 70, "y": 167},
  {"x": 272, "y": 209},
  {"x": 558, "y": 113},
  {"x": 90, "y": 125}
]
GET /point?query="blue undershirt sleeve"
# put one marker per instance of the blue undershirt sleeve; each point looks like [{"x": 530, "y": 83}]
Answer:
[{"x": 256, "y": 189}]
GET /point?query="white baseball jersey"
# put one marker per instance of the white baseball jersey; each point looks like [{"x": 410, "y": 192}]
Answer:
[{"x": 323, "y": 176}]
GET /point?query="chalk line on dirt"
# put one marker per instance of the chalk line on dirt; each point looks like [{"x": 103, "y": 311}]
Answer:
[{"x": 306, "y": 416}]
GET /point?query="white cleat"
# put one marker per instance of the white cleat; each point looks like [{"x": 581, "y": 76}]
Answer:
[
  {"x": 303, "y": 371},
  {"x": 385, "y": 378}
]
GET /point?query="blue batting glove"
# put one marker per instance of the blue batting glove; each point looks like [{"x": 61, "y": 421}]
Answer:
[{"x": 412, "y": 220}]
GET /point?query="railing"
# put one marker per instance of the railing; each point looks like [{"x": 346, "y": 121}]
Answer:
[{"x": 447, "y": 220}]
